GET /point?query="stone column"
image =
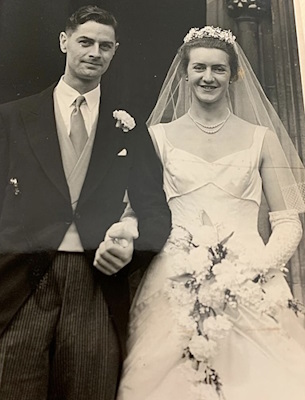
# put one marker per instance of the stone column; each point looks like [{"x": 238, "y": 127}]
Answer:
[{"x": 248, "y": 14}]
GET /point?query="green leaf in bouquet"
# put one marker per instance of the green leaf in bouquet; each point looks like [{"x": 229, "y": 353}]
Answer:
[
  {"x": 184, "y": 278},
  {"x": 224, "y": 241}
]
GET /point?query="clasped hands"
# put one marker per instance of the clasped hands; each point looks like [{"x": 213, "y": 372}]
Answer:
[{"x": 117, "y": 248}]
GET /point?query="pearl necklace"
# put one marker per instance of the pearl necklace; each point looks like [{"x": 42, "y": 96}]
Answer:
[{"x": 210, "y": 129}]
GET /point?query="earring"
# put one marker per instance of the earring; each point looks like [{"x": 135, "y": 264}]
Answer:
[
  {"x": 230, "y": 82},
  {"x": 186, "y": 78}
]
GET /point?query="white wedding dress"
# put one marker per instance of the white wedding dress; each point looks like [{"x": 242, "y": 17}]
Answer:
[{"x": 262, "y": 358}]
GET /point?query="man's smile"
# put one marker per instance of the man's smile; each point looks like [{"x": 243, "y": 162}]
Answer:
[{"x": 92, "y": 63}]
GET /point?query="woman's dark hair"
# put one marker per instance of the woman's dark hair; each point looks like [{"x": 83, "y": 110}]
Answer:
[
  {"x": 210, "y": 43},
  {"x": 91, "y": 13}
]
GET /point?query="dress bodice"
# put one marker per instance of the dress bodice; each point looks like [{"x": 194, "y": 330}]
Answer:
[{"x": 225, "y": 193}]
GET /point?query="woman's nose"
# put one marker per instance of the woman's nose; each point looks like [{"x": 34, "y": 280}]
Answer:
[{"x": 208, "y": 75}]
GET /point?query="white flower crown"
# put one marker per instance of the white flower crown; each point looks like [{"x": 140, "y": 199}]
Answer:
[{"x": 209, "y": 31}]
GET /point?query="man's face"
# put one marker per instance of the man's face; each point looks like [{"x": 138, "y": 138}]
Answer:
[{"x": 90, "y": 49}]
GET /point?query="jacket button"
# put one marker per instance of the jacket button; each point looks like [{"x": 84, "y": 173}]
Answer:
[{"x": 77, "y": 215}]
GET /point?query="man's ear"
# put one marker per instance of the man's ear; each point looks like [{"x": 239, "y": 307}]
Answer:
[
  {"x": 116, "y": 46},
  {"x": 63, "y": 41}
]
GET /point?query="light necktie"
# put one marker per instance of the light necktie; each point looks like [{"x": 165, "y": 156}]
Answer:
[{"x": 78, "y": 132}]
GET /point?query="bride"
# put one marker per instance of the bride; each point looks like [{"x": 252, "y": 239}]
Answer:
[{"x": 214, "y": 317}]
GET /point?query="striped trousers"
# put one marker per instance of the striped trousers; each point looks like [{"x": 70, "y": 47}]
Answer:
[{"x": 61, "y": 345}]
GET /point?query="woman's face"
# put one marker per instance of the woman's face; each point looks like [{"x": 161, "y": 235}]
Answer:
[{"x": 208, "y": 74}]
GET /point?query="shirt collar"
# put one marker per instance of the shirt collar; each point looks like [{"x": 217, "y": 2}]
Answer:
[{"x": 68, "y": 94}]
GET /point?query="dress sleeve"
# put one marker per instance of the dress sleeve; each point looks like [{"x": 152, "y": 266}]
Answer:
[
  {"x": 157, "y": 135},
  {"x": 146, "y": 195}
]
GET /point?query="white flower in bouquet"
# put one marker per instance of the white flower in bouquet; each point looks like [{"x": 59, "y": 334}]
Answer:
[
  {"x": 217, "y": 327},
  {"x": 212, "y": 295},
  {"x": 228, "y": 276},
  {"x": 223, "y": 268},
  {"x": 199, "y": 262},
  {"x": 250, "y": 294},
  {"x": 223, "y": 282},
  {"x": 202, "y": 348}
]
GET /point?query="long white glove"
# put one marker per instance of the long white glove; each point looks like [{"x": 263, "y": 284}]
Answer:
[{"x": 285, "y": 237}]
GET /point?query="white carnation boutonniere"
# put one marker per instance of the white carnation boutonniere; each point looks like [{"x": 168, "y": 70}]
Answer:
[{"x": 124, "y": 120}]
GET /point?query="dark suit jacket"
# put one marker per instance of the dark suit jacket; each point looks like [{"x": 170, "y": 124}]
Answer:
[{"x": 34, "y": 220}]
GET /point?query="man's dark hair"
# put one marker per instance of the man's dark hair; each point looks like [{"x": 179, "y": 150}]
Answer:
[{"x": 91, "y": 13}]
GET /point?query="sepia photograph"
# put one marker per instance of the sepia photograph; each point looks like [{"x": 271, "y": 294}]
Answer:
[{"x": 152, "y": 200}]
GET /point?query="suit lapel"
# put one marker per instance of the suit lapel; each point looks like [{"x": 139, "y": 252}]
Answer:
[
  {"x": 107, "y": 144},
  {"x": 40, "y": 126}
]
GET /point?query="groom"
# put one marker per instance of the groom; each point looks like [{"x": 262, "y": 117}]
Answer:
[{"x": 64, "y": 171}]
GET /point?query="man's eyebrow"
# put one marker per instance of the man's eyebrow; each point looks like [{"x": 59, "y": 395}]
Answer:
[
  {"x": 85, "y": 37},
  {"x": 92, "y": 40}
]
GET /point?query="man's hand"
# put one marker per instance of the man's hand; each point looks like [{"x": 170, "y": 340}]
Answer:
[
  {"x": 111, "y": 256},
  {"x": 117, "y": 248}
]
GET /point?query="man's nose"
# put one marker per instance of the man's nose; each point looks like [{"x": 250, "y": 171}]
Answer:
[{"x": 95, "y": 50}]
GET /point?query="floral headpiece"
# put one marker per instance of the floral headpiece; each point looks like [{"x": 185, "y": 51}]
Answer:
[{"x": 209, "y": 31}]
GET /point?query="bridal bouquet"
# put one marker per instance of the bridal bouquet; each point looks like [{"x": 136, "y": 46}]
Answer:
[{"x": 210, "y": 286}]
